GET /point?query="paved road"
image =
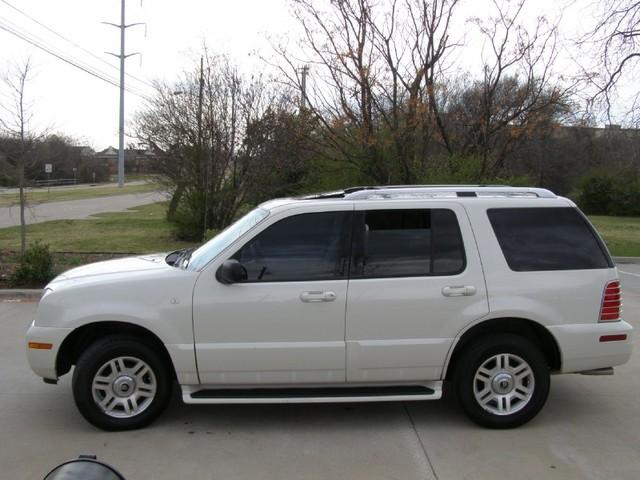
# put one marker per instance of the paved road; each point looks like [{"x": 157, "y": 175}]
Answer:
[
  {"x": 589, "y": 429},
  {"x": 79, "y": 186},
  {"x": 77, "y": 209}
]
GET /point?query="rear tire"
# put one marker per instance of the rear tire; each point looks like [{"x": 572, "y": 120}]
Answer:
[
  {"x": 502, "y": 381},
  {"x": 120, "y": 383}
]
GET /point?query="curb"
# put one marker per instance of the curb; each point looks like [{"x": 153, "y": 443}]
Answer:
[
  {"x": 623, "y": 260},
  {"x": 27, "y": 295}
]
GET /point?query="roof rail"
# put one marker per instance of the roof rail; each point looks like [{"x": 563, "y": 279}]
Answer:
[{"x": 444, "y": 191}]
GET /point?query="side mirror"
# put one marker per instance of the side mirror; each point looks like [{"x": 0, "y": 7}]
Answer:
[{"x": 231, "y": 271}]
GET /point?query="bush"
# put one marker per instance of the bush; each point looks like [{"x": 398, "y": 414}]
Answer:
[
  {"x": 188, "y": 220},
  {"x": 609, "y": 192},
  {"x": 466, "y": 170},
  {"x": 35, "y": 268}
]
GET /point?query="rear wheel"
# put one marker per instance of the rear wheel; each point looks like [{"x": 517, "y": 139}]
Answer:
[
  {"x": 120, "y": 383},
  {"x": 502, "y": 381}
]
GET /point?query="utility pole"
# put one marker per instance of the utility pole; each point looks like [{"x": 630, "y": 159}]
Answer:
[
  {"x": 200, "y": 93},
  {"x": 304, "y": 71},
  {"x": 200, "y": 156},
  {"x": 123, "y": 27}
]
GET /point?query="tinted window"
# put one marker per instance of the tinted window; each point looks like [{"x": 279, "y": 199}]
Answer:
[
  {"x": 408, "y": 243},
  {"x": 535, "y": 239},
  {"x": 312, "y": 246}
]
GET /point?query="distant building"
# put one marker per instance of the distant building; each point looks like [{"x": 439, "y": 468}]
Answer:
[
  {"x": 136, "y": 160},
  {"x": 563, "y": 131}
]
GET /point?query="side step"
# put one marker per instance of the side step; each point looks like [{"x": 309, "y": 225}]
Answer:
[
  {"x": 212, "y": 395},
  {"x": 598, "y": 371}
]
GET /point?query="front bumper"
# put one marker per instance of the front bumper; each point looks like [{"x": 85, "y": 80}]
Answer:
[
  {"x": 43, "y": 362},
  {"x": 581, "y": 348}
]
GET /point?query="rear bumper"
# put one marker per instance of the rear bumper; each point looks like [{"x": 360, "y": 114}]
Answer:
[
  {"x": 43, "y": 362},
  {"x": 581, "y": 348}
]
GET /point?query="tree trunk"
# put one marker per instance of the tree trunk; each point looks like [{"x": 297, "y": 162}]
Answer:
[
  {"x": 175, "y": 200},
  {"x": 23, "y": 225}
]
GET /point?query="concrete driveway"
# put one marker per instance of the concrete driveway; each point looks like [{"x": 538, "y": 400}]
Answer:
[
  {"x": 589, "y": 429},
  {"x": 77, "y": 209}
]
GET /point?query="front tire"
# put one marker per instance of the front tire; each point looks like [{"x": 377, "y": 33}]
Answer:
[
  {"x": 120, "y": 383},
  {"x": 502, "y": 381}
]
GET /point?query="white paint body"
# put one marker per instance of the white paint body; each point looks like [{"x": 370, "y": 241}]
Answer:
[{"x": 387, "y": 331}]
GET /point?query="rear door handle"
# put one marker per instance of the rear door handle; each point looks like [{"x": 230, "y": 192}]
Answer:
[
  {"x": 459, "y": 291},
  {"x": 317, "y": 296}
]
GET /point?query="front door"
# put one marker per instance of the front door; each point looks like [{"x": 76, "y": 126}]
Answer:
[
  {"x": 416, "y": 280},
  {"x": 286, "y": 322}
]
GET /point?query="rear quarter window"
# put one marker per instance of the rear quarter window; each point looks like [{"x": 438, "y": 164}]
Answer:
[{"x": 538, "y": 239}]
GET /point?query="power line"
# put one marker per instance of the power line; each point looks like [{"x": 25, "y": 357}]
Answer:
[
  {"x": 102, "y": 60},
  {"x": 95, "y": 73}
]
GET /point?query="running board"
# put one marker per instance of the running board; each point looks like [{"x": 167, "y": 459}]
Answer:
[
  {"x": 212, "y": 395},
  {"x": 598, "y": 371}
]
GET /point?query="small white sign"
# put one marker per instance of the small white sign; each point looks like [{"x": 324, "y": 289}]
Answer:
[{"x": 48, "y": 168}]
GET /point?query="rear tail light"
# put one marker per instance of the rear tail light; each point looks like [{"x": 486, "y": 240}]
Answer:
[{"x": 611, "y": 302}]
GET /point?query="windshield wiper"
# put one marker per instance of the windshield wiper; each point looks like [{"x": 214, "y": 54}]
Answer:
[
  {"x": 174, "y": 258},
  {"x": 183, "y": 260}
]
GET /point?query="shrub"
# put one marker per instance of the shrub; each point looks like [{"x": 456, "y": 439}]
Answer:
[
  {"x": 466, "y": 170},
  {"x": 35, "y": 268},
  {"x": 609, "y": 192}
]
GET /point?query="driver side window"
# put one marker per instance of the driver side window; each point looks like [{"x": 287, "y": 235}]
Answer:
[{"x": 310, "y": 246}]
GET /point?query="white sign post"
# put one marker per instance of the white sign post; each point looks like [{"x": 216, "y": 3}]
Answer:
[{"x": 48, "y": 169}]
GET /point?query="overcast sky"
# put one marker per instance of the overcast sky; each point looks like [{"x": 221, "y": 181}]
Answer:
[{"x": 72, "y": 102}]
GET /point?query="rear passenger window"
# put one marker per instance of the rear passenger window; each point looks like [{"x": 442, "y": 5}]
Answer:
[
  {"x": 408, "y": 243},
  {"x": 536, "y": 239}
]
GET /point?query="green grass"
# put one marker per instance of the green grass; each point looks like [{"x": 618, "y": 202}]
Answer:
[
  {"x": 622, "y": 234},
  {"x": 139, "y": 230},
  {"x": 41, "y": 195}
]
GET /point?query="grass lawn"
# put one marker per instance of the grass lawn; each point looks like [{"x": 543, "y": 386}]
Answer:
[
  {"x": 41, "y": 195},
  {"x": 139, "y": 230},
  {"x": 622, "y": 234}
]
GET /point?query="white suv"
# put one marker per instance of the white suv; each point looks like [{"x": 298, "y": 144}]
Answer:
[{"x": 367, "y": 294}]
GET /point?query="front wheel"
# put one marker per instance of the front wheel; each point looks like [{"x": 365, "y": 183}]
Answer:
[
  {"x": 120, "y": 383},
  {"x": 502, "y": 381}
]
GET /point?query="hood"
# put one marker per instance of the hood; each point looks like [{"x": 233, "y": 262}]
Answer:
[{"x": 126, "y": 265}]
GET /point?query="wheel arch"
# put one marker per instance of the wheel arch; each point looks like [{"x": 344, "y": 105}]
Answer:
[
  {"x": 82, "y": 337},
  {"x": 526, "y": 328}
]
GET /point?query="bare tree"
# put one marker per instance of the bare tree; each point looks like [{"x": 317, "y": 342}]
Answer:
[
  {"x": 376, "y": 69},
  {"x": 16, "y": 124},
  {"x": 517, "y": 96},
  {"x": 615, "y": 38},
  {"x": 217, "y": 141}
]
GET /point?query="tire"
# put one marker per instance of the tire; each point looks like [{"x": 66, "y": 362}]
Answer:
[
  {"x": 502, "y": 381},
  {"x": 131, "y": 381}
]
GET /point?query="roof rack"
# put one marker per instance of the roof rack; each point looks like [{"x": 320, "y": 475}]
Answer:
[{"x": 440, "y": 191}]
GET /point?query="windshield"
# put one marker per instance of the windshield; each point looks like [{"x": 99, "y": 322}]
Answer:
[{"x": 207, "y": 252}]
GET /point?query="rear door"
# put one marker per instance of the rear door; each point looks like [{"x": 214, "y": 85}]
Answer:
[{"x": 415, "y": 281}]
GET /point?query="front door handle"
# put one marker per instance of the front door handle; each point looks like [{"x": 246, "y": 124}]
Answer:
[
  {"x": 315, "y": 297},
  {"x": 459, "y": 291}
]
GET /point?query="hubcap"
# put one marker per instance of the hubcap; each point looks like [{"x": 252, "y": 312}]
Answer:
[
  {"x": 124, "y": 387},
  {"x": 503, "y": 384}
]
